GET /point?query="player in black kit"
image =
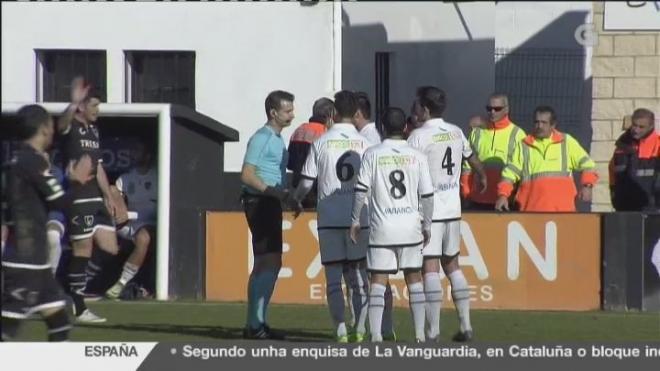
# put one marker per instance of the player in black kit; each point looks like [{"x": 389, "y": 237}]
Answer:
[
  {"x": 30, "y": 190},
  {"x": 90, "y": 218}
]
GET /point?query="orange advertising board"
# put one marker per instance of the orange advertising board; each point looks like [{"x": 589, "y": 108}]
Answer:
[{"x": 511, "y": 261}]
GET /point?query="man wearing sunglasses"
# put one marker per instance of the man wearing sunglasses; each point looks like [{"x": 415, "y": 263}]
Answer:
[{"x": 494, "y": 145}]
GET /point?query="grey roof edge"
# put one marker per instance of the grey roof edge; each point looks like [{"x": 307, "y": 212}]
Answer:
[{"x": 229, "y": 134}]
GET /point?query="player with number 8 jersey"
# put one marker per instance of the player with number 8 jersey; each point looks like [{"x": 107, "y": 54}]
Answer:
[
  {"x": 396, "y": 175},
  {"x": 395, "y": 179}
]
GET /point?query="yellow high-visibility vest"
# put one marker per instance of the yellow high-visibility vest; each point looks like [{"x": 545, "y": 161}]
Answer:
[
  {"x": 544, "y": 168},
  {"x": 494, "y": 147}
]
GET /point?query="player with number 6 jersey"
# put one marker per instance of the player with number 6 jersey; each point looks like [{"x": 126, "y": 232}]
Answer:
[{"x": 334, "y": 161}]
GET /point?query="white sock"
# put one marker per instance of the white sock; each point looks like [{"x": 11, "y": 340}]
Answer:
[
  {"x": 460, "y": 292},
  {"x": 341, "y": 329},
  {"x": 335, "y": 295},
  {"x": 376, "y": 306},
  {"x": 349, "y": 280},
  {"x": 388, "y": 322},
  {"x": 417, "y": 302},
  {"x": 54, "y": 248},
  {"x": 130, "y": 270},
  {"x": 360, "y": 299},
  {"x": 433, "y": 293}
]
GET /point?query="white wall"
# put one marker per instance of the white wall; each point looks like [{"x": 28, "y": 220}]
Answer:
[
  {"x": 430, "y": 45},
  {"x": 517, "y": 23},
  {"x": 243, "y": 51},
  {"x": 420, "y": 21}
]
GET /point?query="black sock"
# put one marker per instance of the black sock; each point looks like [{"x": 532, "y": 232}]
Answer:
[
  {"x": 58, "y": 326},
  {"x": 9, "y": 328},
  {"x": 77, "y": 281},
  {"x": 92, "y": 270}
]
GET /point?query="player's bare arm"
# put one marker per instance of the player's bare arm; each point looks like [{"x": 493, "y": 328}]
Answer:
[
  {"x": 78, "y": 93},
  {"x": 358, "y": 203},
  {"x": 105, "y": 189},
  {"x": 249, "y": 177},
  {"x": 427, "y": 217},
  {"x": 80, "y": 171},
  {"x": 478, "y": 168},
  {"x": 304, "y": 186}
]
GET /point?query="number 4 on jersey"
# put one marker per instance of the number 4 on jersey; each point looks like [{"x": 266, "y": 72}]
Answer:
[{"x": 447, "y": 163}]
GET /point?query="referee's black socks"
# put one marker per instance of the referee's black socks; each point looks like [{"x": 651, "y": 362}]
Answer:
[{"x": 58, "y": 326}]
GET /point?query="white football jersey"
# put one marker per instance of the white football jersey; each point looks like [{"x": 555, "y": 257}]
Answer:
[
  {"x": 396, "y": 175},
  {"x": 141, "y": 190},
  {"x": 334, "y": 160},
  {"x": 370, "y": 132},
  {"x": 445, "y": 146}
]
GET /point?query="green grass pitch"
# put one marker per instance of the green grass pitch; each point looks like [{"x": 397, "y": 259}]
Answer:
[{"x": 212, "y": 321}]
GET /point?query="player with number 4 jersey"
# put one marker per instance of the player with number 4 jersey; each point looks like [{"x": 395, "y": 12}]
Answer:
[{"x": 446, "y": 148}]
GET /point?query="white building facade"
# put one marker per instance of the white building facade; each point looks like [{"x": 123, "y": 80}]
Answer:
[{"x": 242, "y": 51}]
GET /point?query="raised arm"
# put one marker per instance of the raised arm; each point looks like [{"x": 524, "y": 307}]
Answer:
[{"x": 78, "y": 93}]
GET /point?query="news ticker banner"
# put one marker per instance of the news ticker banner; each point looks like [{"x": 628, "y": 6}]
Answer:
[
  {"x": 383, "y": 356},
  {"x": 511, "y": 261}
]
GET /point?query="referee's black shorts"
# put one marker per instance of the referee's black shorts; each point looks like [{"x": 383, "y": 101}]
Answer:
[{"x": 264, "y": 217}]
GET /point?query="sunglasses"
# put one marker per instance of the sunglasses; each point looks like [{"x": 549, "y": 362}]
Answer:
[{"x": 496, "y": 109}]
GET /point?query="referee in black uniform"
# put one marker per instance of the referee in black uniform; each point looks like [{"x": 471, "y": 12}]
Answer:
[{"x": 28, "y": 283}]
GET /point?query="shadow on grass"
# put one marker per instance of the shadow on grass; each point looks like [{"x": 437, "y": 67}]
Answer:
[{"x": 211, "y": 332}]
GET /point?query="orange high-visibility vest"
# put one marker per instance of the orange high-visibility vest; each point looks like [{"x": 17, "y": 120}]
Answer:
[{"x": 544, "y": 169}]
